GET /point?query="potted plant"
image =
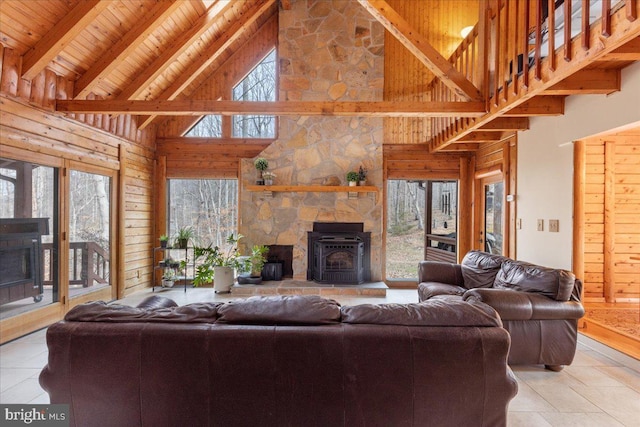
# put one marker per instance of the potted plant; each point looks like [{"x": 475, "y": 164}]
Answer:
[
  {"x": 169, "y": 278},
  {"x": 352, "y": 178},
  {"x": 183, "y": 236},
  {"x": 261, "y": 165},
  {"x": 216, "y": 265},
  {"x": 362, "y": 175},
  {"x": 163, "y": 240},
  {"x": 268, "y": 177},
  {"x": 252, "y": 265}
]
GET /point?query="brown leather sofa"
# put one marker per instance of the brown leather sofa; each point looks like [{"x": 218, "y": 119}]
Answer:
[
  {"x": 280, "y": 361},
  {"x": 539, "y": 306}
]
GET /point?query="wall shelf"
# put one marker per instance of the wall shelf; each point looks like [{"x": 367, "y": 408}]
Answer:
[{"x": 352, "y": 191}]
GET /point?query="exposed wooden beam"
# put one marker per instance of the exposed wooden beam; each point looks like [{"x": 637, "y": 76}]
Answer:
[
  {"x": 506, "y": 123},
  {"x": 114, "y": 56},
  {"x": 197, "y": 67},
  {"x": 285, "y": 4},
  {"x": 419, "y": 46},
  {"x": 538, "y": 106},
  {"x": 167, "y": 57},
  {"x": 52, "y": 43},
  {"x": 596, "y": 81},
  {"x": 484, "y": 136},
  {"x": 627, "y": 52},
  {"x": 460, "y": 147},
  {"x": 280, "y": 108}
]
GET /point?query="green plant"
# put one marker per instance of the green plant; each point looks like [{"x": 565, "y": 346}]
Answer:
[
  {"x": 362, "y": 174},
  {"x": 183, "y": 236},
  {"x": 257, "y": 259},
  {"x": 261, "y": 164},
  {"x": 212, "y": 256},
  {"x": 164, "y": 238},
  {"x": 352, "y": 176},
  {"x": 169, "y": 274}
]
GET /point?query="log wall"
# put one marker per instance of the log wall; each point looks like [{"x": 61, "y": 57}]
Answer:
[
  {"x": 30, "y": 130},
  {"x": 610, "y": 229}
]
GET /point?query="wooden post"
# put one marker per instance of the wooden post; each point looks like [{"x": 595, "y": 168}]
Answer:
[
  {"x": 121, "y": 223},
  {"x": 579, "y": 176},
  {"x": 160, "y": 212},
  {"x": 465, "y": 209},
  {"x": 609, "y": 221}
]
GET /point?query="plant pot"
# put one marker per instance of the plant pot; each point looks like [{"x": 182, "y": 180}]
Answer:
[
  {"x": 167, "y": 283},
  {"x": 222, "y": 279},
  {"x": 183, "y": 243},
  {"x": 163, "y": 243},
  {"x": 268, "y": 182},
  {"x": 362, "y": 183},
  {"x": 353, "y": 183}
]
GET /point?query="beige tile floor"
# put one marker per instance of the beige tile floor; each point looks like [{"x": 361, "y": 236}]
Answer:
[{"x": 600, "y": 388}]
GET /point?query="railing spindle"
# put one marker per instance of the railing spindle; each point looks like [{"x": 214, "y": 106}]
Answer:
[
  {"x": 551, "y": 31},
  {"x": 606, "y": 18},
  {"x": 585, "y": 25},
  {"x": 567, "y": 31}
]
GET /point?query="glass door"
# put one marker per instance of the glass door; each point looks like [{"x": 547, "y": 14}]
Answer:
[
  {"x": 492, "y": 231},
  {"x": 442, "y": 221},
  {"x": 90, "y": 235}
]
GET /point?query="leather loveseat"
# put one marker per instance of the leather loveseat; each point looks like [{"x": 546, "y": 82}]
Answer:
[
  {"x": 539, "y": 306},
  {"x": 280, "y": 361}
]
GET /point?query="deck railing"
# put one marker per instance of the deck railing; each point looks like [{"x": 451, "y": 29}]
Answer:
[
  {"x": 515, "y": 41},
  {"x": 88, "y": 264}
]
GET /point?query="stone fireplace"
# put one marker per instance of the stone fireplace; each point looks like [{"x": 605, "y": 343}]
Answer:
[{"x": 327, "y": 51}]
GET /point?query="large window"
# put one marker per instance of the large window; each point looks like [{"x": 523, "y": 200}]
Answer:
[
  {"x": 28, "y": 237},
  {"x": 208, "y": 127},
  {"x": 209, "y": 206},
  {"x": 259, "y": 85}
]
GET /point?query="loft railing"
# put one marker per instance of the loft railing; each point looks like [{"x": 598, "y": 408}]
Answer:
[{"x": 513, "y": 43}]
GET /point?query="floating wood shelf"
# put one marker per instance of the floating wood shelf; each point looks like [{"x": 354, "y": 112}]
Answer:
[{"x": 353, "y": 191}]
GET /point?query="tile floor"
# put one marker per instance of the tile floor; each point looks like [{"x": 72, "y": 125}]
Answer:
[{"x": 600, "y": 388}]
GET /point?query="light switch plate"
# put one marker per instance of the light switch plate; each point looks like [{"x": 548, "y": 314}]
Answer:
[
  {"x": 541, "y": 225},
  {"x": 554, "y": 225}
]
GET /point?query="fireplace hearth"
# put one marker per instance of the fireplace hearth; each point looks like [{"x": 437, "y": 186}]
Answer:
[{"x": 339, "y": 253}]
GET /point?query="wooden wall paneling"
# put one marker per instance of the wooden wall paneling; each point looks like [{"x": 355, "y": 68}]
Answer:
[
  {"x": 11, "y": 65},
  {"x": 609, "y": 222},
  {"x": 593, "y": 221},
  {"x": 466, "y": 203},
  {"x": 121, "y": 222},
  {"x": 160, "y": 193}
]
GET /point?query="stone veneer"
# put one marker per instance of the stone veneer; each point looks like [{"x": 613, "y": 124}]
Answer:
[{"x": 329, "y": 50}]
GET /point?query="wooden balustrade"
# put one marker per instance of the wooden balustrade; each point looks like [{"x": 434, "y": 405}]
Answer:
[{"x": 515, "y": 43}]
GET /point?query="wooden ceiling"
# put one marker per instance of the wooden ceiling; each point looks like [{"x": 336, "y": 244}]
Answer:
[
  {"x": 146, "y": 57},
  {"x": 129, "y": 49}
]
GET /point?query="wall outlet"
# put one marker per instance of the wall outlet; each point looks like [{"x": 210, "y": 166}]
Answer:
[
  {"x": 541, "y": 225},
  {"x": 519, "y": 224},
  {"x": 554, "y": 225}
]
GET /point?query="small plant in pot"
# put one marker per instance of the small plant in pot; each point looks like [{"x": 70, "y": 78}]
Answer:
[
  {"x": 268, "y": 177},
  {"x": 352, "y": 178},
  {"x": 183, "y": 237},
  {"x": 261, "y": 165},
  {"x": 362, "y": 175},
  {"x": 253, "y": 264},
  {"x": 169, "y": 278},
  {"x": 212, "y": 264},
  {"x": 163, "y": 240}
]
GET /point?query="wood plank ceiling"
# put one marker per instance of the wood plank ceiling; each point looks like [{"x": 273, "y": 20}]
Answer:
[{"x": 146, "y": 57}]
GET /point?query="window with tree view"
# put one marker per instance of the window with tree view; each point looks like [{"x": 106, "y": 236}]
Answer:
[
  {"x": 259, "y": 85},
  {"x": 208, "y": 206}
]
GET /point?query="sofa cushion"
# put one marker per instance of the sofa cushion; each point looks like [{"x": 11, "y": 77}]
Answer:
[
  {"x": 433, "y": 312},
  {"x": 281, "y": 310},
  {"x": 99, "y": 311},
  {"x": 521, "y": 276},
  {"x": 157, "y": 301},
  {"x": 479, "y": 269},
  {"x": 432, "y": 289}
]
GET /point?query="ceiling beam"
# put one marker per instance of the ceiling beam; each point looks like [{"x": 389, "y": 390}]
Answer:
[
  {"x": 506, "y": 124},
  {"x": 627, "y": 52},
  {"x": 420, "y": 47},
  {"x": 197, "y": 67},
  {"x": 485, "y": 136},
  {"x": 588, "y": 82},
  {"x": 168, "y": 56},
  {"x": 117, "y": 53},
  {"x": 51, "y": 44},
  {"x": 280, "y": 108},
  {"x": 538, "y": 106}
]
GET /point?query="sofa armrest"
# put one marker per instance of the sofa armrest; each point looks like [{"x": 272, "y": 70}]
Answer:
[
  {"x": 517, "y": 305},
  {"x": 429, "y": 290},
  {"x": 442, "y": 272}
]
